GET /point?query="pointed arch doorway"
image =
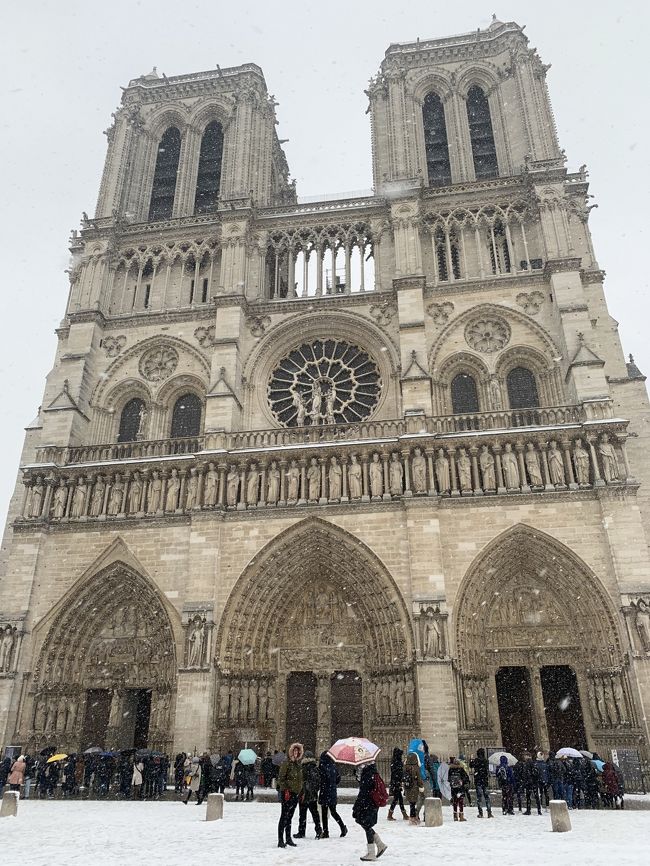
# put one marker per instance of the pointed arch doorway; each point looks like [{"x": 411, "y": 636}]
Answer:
[
  {"x": 315, "y": 641},
  {"x": 540, "y": 663}
]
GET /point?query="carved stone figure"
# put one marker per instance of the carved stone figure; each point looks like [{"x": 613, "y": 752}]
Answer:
[
  {"x": 329, "y": 405},
  {"x": 252, "y": 485},
  {"x": 79, "y": 498},
  {"x": 601, "y": 702},
  {"x": 432, "y": 637},
  {"x": 323, "y": 703},
  {"x": 377, "y": 700},
  {"x": 293, "y": 482},
  {"x": 608, "y": 456},
  {"x": 97, "y": 499},
  {"x": 135, "y": 494},
  {"x": 581, "y": 463},
  {"x": 354, "y": 478},
  {"x": 396, "y": 475},
  {"x": 392, "y": 700},
  {"x": 482, "y": 705},
  {"x": 143, "y": 415},
  {"x": 273, "y": 486},
  {"x": 532, "y": 466},
  {"x": 224, "y": 700},
  {"x": 464, "y": 470},
  {"x": 243, "y": 700},
  {"x": 299, "y": 404},
  {"x": 642, "y": 624},
  {"x": 555, "y": 465},
  {"x": 316, "y": 397},
  {"x": 155, "y": 493},
  {"x": 60, "y": 499},
  {"x": 442, "y": 472},
  {"x": 419, "y": 472},
  {"x": 252, "y": 700},
  {"x": 593, "y": 704},
  {"x": 270, "y": 712},
  {"x": 486, "y": 461},
  {"x": 173, "y": 487},
  {"x": 210, "y": 488},
  {"x": 469, "y": 706},
  {"x": 262, "y": 700},
  {"x": 376, "y": 477},
  {"x": 36, "y": 501},
  {"x": 401, "y": 698},
  {"x": 232, "y": 485},
  {"x": 619, "y": 700},
  {"x": 335, "y": 476},
  {"x": 313, "y": 480},
  {"x": 409, "y": 689},
  {"x": 191, "y": 500},
  {"x": 115, "y": 498},
  {"x": 495, "y": 394},
  {"x": 510, "y": 468},
  {"x": 196, "y": 642},
  {"x": 6, "y": 648}
]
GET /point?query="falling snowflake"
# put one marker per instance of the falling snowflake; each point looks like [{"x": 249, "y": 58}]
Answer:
[{"x": 564, "y": 703}]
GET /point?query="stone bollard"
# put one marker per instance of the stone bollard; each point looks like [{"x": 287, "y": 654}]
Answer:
[
  {"x": 433, "y": 812},
  {"x": 9, "y": 804},
  {"x": 560, "y": 821},
  {"x": 214, "y": 810}
]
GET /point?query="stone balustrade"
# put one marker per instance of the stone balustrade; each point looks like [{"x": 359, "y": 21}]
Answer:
[{"x": 402, "y": 460}]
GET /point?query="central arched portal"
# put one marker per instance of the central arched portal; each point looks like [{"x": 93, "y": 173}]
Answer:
[{"x": 315, "y": 643}]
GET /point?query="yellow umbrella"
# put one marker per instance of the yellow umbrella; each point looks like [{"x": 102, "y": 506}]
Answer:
[{"x": 56, "y": 758}]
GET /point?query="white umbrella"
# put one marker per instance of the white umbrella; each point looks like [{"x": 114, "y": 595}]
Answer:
[
  {"x": 443, "y": 780},
  {"x": 495, "y": 759},
  {"x": 586, "y": 754},
  {"x": 568, "y": 752}
]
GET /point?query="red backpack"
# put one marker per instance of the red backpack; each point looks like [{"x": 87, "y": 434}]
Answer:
[{"x": 378, "y": 792}]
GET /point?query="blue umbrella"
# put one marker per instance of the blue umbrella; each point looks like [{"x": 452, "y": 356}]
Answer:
[
  {"x": 247, "y": 756},
  {"x": 598, "y": 765},
  {"x": 417, "y": 747}
]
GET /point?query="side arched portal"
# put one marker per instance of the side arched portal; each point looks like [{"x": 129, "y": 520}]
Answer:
[
  {"x": 314, "y": 608},
  {"x": 539, "y": 652},
  {"x": 106, "y": 673}
]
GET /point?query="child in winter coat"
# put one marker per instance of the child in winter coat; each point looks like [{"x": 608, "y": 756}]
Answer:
[{"x": 458, "y": 782}]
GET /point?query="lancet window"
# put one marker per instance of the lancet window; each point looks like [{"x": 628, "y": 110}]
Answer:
[
  {"x": 446, "y": 253},
  {"x": 186, "y": 416},
  {"x": 209, "y": 174},
  {"x": 131, "y": 420},
  {"x": 165, "y": 174},
  {"x": 481, "y": 135},
  {"x": 464, "y": 394},
  {"x": 435, "y": 141},
  {"x": 522, "y": 389}
]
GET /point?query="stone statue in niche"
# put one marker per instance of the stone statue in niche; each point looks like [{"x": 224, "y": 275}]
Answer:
[
  {"x": 232, "y": 486},
  {"x": 270, "y": 710},
  {"x": 313, "y": 480},
  {"x": 316, "y": 399},
  {"x": 593, "y": 705},
  {"x": 293, "y": 482},
  {"x": 555, "y": 465},
  {"x": 401, "y": 698},
  {"x": 482, "y": 705},
  {"x": 396, "y": 475},
  {"x": 393, "y": 702},
  {"x": 60, "y": 499},
  {"x": 243, "y": 700},
  {"x": 7, "y": 642},
  {"x": 601, "y": 702},
  {"x": 432, "y": 647},
  {"x": 409, "y": 689},
  {"x": 419, "y": 472},
  {"x": 273, "y": 485},
  {"x": 173, "y": 488},
  {"x": 619, "y": 699},
  {"x": 642, "y": 623},
  {"x": 531, "y": 458},
  {"x": 79, "y": 498},
  {"x": 464, "y": 471},
  {"x": 252, "y": 700},
  {"x": 143, "y": 415},
  {"x": 495, "y": 394},
  {"x": 335, "y": 474},
  {"x": 224, "y": 700},
  {"x": 487, "y": 469},
  {"x": 301, "y": 410},
  {"x": 196, "y": 642},
  {"x": 329, "y": 405},
  {"x": 97, "y": 499},
  {"x": 115, "y": 498},
  {"x": 510, "y": 468},
  {"x": 469, "y": 705},
  {"x": 210, "y": 489},
  {"x": 191, "y": 500},
  {"x": 323, "y": 702},
  {"x": 354, "y": 478},
  {"x": 135, "y": 494},
  {"x": 581, "y": 463},
  {"x": 155, "y": 493},
  {"x": 36, "y": 501},
  {"x": 262, "y": 700},
  {"x": 252, "y": 485},
  {"x": 376, "y": 477},
  {"x": 442, "y": 472},
  {"x": 608, "y": 456}
]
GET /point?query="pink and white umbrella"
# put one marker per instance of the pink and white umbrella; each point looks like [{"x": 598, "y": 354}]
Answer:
[{"x": 354, "y": 751}]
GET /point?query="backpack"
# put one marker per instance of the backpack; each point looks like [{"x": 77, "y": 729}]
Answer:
[
  {"x": 378, "y": 792},
  {"x": 502, "y": 775}
]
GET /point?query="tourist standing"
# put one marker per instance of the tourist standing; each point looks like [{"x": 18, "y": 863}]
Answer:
[
  {"x": 195, "y": 780},
  {"x": 530, "y": 778},
  {"x": 136, "y": 780},
  {"x": 365, "y": 812},
  {"x": 395, "y": 784},
  {"x": 413, "y": 787},
  {"x": 309, "y": 796},
  {"x": 289, "y": 788},
  {"x": 17, "y": 773},
  {"x": 458, "y": 782},
  {"x": 506, "y": 780},
  {"x": 327, "y": 795},
  {"x": 481, "y": 768}
]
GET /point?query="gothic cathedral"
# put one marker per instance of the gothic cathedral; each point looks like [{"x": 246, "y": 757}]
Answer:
[{"x": 360, "y": 465}]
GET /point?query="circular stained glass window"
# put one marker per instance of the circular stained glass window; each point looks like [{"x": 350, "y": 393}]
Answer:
[{"x": 324, "y": 382}]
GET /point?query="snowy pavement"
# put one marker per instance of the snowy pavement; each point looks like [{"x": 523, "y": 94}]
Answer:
[{"x": 168, "y": 834}]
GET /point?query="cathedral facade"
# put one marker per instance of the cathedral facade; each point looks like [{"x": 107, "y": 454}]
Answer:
[{"x": 361, "y": 465}]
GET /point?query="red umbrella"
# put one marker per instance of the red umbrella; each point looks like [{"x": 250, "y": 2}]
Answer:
[{"x": 354, "y": 751}]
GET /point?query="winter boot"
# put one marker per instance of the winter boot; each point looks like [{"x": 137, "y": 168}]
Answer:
[
  {"x": 455, "y": 816},
  {"x": 281, "y": 841},
  {"x": 404, "y": 815},
  {"x": 289, "y": 840},
  {"x": 490, "y": 815},
  {"x": 325, "y": 834},
  {"x": 344, "y": 830},
  {"x": 381, "y": 846},
  {"x": 299, "y": 835},
  {"x": 462, "y": 817},
  {"x": 371, "y": 852},
  {"x": 480, "y": 813},
  {"x": 390, "y": 814}
]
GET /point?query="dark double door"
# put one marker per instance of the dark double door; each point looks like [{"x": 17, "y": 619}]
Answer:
[
  {"x": 133, "y": 731},
  {"x": 345, "y": 710}
]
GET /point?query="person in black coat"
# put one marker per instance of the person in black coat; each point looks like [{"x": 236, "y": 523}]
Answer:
[
  {"x": 365, "y": 812},
  {"x": 396, "y": 783},
  {"x": 530, "y": 779},
  {"x": 481, "y": 767},
  {"x": 308, "y": 799},
  {"x": 266, "y": 769},
  {"x": 327, "y": 795}
]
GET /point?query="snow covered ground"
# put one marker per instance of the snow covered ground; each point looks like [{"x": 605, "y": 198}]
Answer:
[{"x": 168, "y": 834}]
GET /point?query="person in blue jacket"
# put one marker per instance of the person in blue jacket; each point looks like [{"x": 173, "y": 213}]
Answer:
[{"x": 506, "y": 780}]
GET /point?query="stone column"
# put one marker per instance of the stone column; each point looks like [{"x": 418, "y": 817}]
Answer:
[{"x": 539, "y": 713}]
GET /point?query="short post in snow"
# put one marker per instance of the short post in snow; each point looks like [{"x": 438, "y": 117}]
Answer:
[
  {"x": 433, "y": 812},
  {"x": 214, "y": 809},
  {"x": 9, "y": 805},
  {"x": 560, "y": 820}
]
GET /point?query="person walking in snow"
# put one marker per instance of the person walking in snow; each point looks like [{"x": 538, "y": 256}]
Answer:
[
  {"x": 289, "y": 788},
  {"x": 481, "y": 768},
  {"x": 530, "y": 779},
  {"x": 413, "y": 787},
  {"x": 327, "y": 794},
  {"x": 136, "y": 780},
  {"x": 458, "y": 782},
  {"x": 395, "y": 784},
  {"x": 309, "y": 796},
  {"x": 238, "y": 775},
  {"x": 17, "y": 773},
  {"x": 365, "y": 812},
  {"x": 506, "y": 780},
  {"x": 195, "y": 781}
]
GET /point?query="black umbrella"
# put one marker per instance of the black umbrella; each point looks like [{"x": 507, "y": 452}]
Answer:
[
  {"x": 47, "y": 751},
  {"x": 143, "y": 753},
  {"x": 278, "y": 759}
]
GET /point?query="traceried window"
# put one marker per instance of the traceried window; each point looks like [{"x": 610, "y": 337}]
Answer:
[
  {"x": 164, "y": 179},
  {"x": 447, "y": 256},
  {"x": 481, "y": 134},
  {"x": 435, "y": 141},
  {"x": 464, "y": 394},
  {"x": 499, "y": 249},
  {"x": 209, "y": 175},
  {"x": 132, "y": 421},
  {"x": 186, "y": 416},
  {"x": 324, "y": 382},
  {"x": 522, "y": 389}
]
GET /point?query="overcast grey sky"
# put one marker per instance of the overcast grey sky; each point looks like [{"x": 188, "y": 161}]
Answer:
[{"x": 63, "y": 64}]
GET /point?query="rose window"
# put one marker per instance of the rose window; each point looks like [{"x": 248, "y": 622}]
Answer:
[
  {"x": 159, "y": 363},
  {"x": 487, "y": 335},
  {"x": 324, "y": 382}
]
